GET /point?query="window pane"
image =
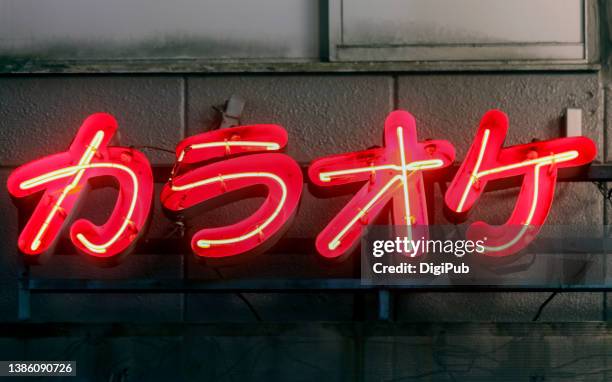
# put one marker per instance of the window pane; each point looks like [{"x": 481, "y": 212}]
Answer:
[
  {"x": 117, "y": 29},
  {"x": 459, "y": 29},
  {"x": 462, "y": 22}
]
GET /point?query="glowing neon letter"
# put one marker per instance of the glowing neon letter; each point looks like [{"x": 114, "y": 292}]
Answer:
[
  {"x": 537, "y": 162},
  {"x": 393, "y": 172},
  {"x": 63, "y": 177},
  {"x": 280, "y": 174}
]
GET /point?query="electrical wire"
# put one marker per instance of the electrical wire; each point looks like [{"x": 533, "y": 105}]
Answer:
[
  {"x": 543, "y": 305},
  {"x": 156, "y": 148},
  {"x": 243, "y": 298}
]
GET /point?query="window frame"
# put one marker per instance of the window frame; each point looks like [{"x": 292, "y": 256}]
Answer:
[{"x": 339, "y": 52}]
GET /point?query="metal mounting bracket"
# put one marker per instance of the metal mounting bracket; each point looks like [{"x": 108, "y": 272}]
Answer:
[{"x": 232, "y": 112}]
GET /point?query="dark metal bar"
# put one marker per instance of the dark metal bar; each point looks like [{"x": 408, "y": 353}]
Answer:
[
  {"x": 176, "y": 245},
  {"x": 306, "y": 246},
  {"x": 360, "y": 330},
  {"x": 23, "y": 299},
  {"x": 23, "y": 291},
  {"x": 179, "y": 286},
  {"x": 590, "y": 173},
  {"x": 384, "y": 305},
  {"x": 273, "y": 286}
]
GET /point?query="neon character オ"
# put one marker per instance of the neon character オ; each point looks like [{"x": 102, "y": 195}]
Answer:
[
  {"x": 391, "y": 173},
  {"x": 221, "y": 163}
]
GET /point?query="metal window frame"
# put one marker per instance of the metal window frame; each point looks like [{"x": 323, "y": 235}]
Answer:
[{"x": 462, "y": 53}]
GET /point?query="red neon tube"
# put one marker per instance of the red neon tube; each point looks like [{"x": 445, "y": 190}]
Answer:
[
  {"x": 536, "y": 162},
  {"x": 62, "y": 179},
  {"x": 391, "y": 173},
  {"x": 248, "y": 157}
]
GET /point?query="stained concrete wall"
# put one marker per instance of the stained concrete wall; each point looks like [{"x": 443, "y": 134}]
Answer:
[{"x": 324, "y": 114}]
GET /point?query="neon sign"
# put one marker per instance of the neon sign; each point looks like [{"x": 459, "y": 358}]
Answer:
[
  {"x": 393, "y": 172},
  {"x": 536, "y": 162},
  {"x": 227, "y": 163},
  {"x": 63, "y": 177},
  {"x": 279, "y": 173}
]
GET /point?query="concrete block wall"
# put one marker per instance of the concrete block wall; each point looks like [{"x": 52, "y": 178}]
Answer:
[{"x": 324, "y": 114}]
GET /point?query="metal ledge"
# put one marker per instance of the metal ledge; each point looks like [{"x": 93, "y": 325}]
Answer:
[
  {"x": 594, "y": 172},
  {"x": 187, "y": 66},
  {"x": 592, "y": 330},
  {"x": 36, "y": 285}
]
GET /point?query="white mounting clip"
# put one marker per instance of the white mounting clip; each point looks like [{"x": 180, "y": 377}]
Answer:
[
  {"x": 232, "y": 112},
  {"x": 573, "y": 122}
]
